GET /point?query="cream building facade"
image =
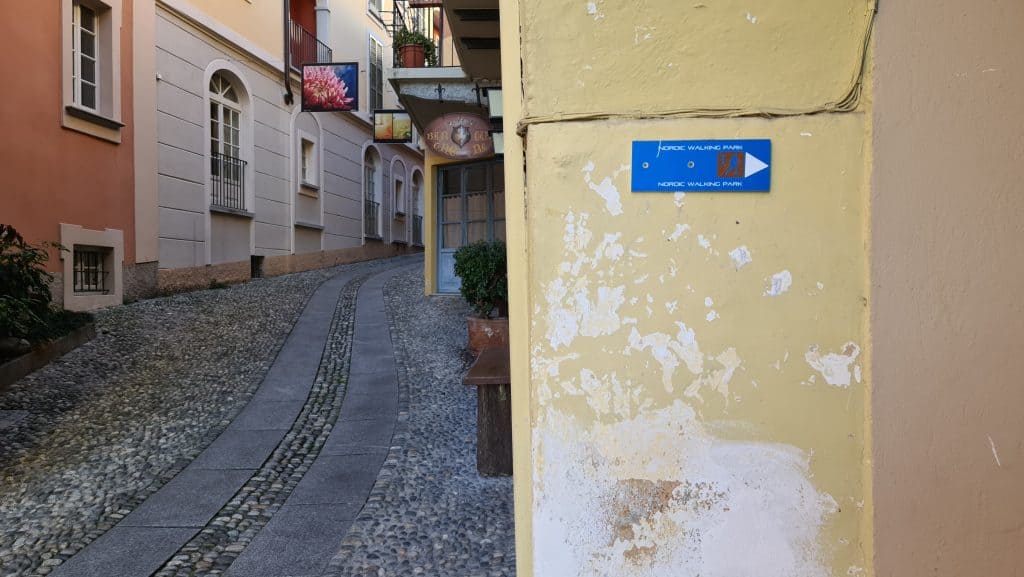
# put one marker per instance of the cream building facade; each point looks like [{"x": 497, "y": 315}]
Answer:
[{"x": 248, "y": 183}]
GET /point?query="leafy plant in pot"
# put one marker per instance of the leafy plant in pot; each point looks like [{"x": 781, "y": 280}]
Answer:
[
  {"x": 414, "y": 49},
  {"x": 482, "y": 268}
]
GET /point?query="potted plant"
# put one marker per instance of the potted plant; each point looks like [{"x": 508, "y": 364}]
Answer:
[
  {"x": 415, "y": 50},
  {"x": 482, "y": 268}
]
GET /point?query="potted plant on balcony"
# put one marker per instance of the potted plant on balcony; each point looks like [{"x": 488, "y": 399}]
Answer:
[
  {"x": 414, "y": 49},
  {"x": 482, "y": 268}
]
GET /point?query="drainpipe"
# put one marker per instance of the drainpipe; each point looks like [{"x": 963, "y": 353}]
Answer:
[{"x": 289, "y": 98}]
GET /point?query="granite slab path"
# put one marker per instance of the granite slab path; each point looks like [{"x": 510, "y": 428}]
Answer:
[{"x": 337, "y": 469}]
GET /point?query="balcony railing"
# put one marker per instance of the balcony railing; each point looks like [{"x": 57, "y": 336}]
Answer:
[
  {"x": 227, "y": 175},
  {"x": 305, "y": 48},
  {"x": 412, "y": 16},
  {"x": 370, "y": 218},
  {"x": 417, "y": 229}
]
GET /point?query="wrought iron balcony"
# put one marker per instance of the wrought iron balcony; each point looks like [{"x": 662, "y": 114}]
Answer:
[
  {"x": 227, "y": 176},
  {"x": 414, "y": 17},
  {"x": 372, "y": 208},
  {"x": 305, "y": 48},
  {"x": 417, "y": 230}
]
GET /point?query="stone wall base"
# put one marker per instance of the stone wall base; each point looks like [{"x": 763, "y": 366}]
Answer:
[
  {"x": 201, "y": 277},
  {"x": 140, "y": 281}
]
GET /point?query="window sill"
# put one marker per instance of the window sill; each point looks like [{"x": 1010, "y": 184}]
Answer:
[
  {"x": 308, "y": 225},
  {"x": 231, "y": 211},
  {"x": 310, "y": 190},
  {"x": 373, "y": 237},
  {"x": 88, "y": 122}
]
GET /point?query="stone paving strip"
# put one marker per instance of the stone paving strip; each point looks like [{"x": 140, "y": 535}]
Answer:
[
  {"x": 112, "y": 422},
  {"x": 430, "y": 513}
]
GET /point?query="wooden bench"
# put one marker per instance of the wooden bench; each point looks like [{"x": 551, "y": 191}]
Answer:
[{"x": 490, "y": 374}]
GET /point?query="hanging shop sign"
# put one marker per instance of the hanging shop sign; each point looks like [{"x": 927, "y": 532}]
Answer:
[
  {"x": 459, "y": 137},
  {"x": 330, "y": 87},
  {"x": 393, "y": 126},
  {"x": 702, "y": 165}
]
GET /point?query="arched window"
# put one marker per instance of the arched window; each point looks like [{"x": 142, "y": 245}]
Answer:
[
  {"x": 372, "y": 167},
  {"x": 227, "y": 168}
]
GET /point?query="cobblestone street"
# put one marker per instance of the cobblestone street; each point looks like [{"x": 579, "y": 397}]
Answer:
[{"x": 174, "y": 434}]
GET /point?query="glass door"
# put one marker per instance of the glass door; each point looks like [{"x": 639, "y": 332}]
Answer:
[{"x": 471, "y": 208}]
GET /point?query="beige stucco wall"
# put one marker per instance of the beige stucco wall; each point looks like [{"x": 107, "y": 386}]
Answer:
[
  {"x": 689, "y": 371},
  {"x": 947, "y": 276}
]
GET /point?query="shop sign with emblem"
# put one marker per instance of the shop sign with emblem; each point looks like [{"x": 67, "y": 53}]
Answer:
[{"x": 459, "y": 137}]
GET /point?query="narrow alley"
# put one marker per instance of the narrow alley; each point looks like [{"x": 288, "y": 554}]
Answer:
[{"x": 329, "y": 434}]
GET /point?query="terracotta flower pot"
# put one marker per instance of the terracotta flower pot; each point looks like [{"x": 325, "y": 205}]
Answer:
[
  {"x": 486, "y": 333},
  {"x": 412, "y": 56}
]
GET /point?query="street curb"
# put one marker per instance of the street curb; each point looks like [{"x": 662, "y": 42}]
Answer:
[{"x": 43, "y": 355}]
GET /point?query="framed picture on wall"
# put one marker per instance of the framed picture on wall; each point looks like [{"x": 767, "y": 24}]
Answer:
[
  {"x": 394, "y": 126},
  {"x": 330, "y": 87}
]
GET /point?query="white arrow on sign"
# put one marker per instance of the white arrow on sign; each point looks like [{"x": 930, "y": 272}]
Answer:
[{"x": 753, "y": 165}]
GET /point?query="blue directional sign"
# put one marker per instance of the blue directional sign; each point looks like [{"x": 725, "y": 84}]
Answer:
[{"x": 702, "y": 165}]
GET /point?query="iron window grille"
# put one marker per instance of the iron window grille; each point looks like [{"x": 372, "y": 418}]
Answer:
[
  {"x": 90, "y": 274},
  {"x": 228, "y": 179}
]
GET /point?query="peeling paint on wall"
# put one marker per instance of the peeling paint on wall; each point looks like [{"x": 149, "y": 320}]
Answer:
[
  {"x": 779, "y": 283},
  {"x": 740, "y": 257},
  {"x": 605, "y": 509},
  {"x": 835, "y": 367}
]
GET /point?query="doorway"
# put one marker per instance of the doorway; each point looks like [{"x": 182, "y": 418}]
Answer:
[{"x": 471, "y": 208}]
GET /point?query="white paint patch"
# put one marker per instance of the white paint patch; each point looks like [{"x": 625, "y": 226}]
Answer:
[
  {"x": 574, "y": 307},
  {"x": 806, "y": 134},
  {"x": 779, "y": 284},
  {"x": 641, "y": 279},
  {"x": 820, "y": 285},
  {"x": 716, "y": 380},
  {"x": 740, "y": 257},
  {"x": 709, "y": 302},
  {"x": 678, "y": 198},
  {"x": 703, "y": 241},
  {"x": 711, "y": 316},
  {"x": 751, "y": 18},
  {"x": 678, "y": 232},
  {"x": 593, "y": 11},
  {"x": 994, "y": 452},
  {"x": 835, "y": 367},
  {"x": 668, "y": 352},
  {"x": 605, "y": 189},
  {"x": 671, "y": 306},
  {"x": 602, "y": 508}
]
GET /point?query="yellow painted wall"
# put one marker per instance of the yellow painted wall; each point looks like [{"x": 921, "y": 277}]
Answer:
[
  {"x": 679, "y": 410},
  {"x": 259, "y": 21},
  {"x": 430, "y": 162}
]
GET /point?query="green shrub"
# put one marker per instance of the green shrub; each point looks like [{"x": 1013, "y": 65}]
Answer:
[
  {"x": 482, "y": 268},
  {"x": 24, "y": 285}
]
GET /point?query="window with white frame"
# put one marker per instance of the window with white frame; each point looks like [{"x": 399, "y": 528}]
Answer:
[
  {"x": 375, "y": 73},
  {"x": 399, "y": 198},
  {"x": 91, "y": 67},
  {"x": 308, "y": 165},
  {"x": 227, "y": 168},
  {"x": 375, "y": 6},
  {"x": 85, "y": 67}
]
